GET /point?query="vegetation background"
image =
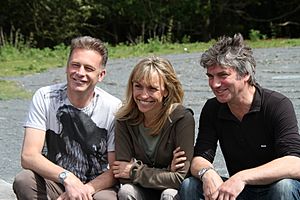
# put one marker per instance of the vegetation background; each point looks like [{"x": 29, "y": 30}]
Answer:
[
  {"x": 47, "y": 23},
  {"x": 34, "y": 35}
]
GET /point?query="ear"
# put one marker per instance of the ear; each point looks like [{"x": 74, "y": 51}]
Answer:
[
  {"x": 101, "y": 75},
  {"x": 166, "y": 93},
  {"x": 246, "y": 78}
]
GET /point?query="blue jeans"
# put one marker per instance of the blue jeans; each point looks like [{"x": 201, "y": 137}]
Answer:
[{"x": 285, "y": 189}]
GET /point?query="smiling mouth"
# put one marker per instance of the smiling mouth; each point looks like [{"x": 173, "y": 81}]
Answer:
[
  {"x": 78, "y": 81},
  {"x": 219, "y": 92},
  {"x": 145, "y": 102}
]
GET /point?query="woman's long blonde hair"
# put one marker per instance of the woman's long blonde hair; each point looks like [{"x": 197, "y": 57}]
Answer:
[{"x": 144, "y": 70}]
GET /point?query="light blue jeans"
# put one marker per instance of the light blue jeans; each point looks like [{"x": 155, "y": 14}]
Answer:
[{"x": 285, "y": 189}]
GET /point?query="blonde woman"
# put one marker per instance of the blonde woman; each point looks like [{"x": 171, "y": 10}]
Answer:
[{"x": 154, "y": 133}]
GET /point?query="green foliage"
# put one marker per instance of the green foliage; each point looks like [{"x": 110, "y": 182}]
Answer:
[
  {"x": 47, "y": 23},
  {"x": 271, "y": 43},
  {"x": 186, "y": 39},
  {"x": 30, "y": 60},
  {"x": 255, "y": 35}
]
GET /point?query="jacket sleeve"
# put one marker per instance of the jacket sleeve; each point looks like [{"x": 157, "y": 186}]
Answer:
[
  {"x": 162, "y": 178},
  {"x": 124, "y": 146}
]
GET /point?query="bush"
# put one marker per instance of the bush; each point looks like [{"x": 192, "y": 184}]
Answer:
[{"x": 255, "y": 35}]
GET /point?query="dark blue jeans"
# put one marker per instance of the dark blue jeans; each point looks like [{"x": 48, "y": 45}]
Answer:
[{"x": 285, "y": 189}]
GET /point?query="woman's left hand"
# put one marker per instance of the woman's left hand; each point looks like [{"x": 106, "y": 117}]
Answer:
[
  {"x": 178, "y": 159},
  {"x": 121, "y": 169}
]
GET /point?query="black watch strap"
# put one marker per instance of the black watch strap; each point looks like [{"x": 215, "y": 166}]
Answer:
[{"x": 203, "y": 171}]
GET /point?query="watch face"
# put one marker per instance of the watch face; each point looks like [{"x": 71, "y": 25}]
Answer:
[
  {"x": 63, "y": 175},
  {"x": 201, "y": 172}
]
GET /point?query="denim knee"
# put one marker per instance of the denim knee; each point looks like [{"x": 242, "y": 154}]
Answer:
[
  {"x": 191, "y": 189},
  {"x": 285, "y": 189}
]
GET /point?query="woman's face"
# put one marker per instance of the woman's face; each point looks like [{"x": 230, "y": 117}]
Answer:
[{"x": 149, "y": 96}]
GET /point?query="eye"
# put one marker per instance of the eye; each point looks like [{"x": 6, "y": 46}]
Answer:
[
  {"x": 209, "y": 76},
  {"x": 136, "y": 85},
  {"x": 75, "y": 65},
  {"x": 224, "y": 75},
  {"x": 89, "y": 68},
  {"x": 153, "y": 89}
]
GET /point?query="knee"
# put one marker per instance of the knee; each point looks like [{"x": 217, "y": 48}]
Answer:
[
  {"x": 22, "y": 182},
  {"x": 189, "y": 186},
  {"x": 169, "y": 194},
  {"x": 190, "y": 183},
  {"x": 285, "y": 188},
  {"x": 110, "y": 193},
  {"x": 126, "y": 190},
  {"x": 22, "y": 179}
]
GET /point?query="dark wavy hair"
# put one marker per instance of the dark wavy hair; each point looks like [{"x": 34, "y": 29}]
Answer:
[{"x": 231, "y": 52}]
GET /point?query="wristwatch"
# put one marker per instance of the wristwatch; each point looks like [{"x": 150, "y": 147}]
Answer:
[
  {"x": 62, "y": 176},
  {"x": 203, "y": 171}
]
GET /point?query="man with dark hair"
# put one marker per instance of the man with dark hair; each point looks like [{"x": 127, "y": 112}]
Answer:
[
  {"x": 76, "y": 122},
  {"x": 256, "y": 128}
]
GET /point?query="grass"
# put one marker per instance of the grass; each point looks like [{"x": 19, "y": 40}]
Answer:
[
  {"x": 22, "y": 61},
  {"x": 16, "y": 62}
]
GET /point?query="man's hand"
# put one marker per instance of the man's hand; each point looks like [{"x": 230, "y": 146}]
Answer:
[
  {"x": 178, "y": 159},
  {"x": 211, "y": 183},
  {"x": 231, "y": 188},
  {"x": 121, "y": 169},
  {"x": 75, "y": 189}
]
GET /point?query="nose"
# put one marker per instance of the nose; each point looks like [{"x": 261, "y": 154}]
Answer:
[
  {"x": 145, "y": 93},
  {"x": 80, "y": 71},
  {"x": 214, "y": 82}
]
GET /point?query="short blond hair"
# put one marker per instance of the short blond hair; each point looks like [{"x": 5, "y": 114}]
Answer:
[{"x": 90, "y": 43}]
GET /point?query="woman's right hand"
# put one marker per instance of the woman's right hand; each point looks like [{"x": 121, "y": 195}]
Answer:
[
  {"x": 121, "y": 169},
  {"x": 178, "y": 159}
]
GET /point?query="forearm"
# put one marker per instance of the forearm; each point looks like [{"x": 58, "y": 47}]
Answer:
[
  {"x": 41, "y": 165},
  {"x": 198, "y": 163},
  {"x": 103, "y": 181},
  {"x": 285, "y": 167},
  {"x": 150, "y": 177},
  {"x": 32, "y": 158}
]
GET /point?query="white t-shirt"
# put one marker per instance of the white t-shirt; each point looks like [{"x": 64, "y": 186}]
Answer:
[{"x": 76, "y": 139}]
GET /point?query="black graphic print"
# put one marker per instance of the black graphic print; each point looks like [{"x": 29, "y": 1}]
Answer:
[{"x": 81, "y": 147}]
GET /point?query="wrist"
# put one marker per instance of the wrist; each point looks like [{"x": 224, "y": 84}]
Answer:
[
  {"x": 63, "y": 176},
  {"x": 203, "y": 171},
  {"x": 90, "y": 188}
]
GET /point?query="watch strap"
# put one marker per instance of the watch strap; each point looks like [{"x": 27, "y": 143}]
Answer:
[
  {"x": 62, "y": 176},
  {"x": 203, "y": 171}
]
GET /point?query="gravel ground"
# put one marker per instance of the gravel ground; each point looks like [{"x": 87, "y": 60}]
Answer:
[{"x": 277, "y": 69}]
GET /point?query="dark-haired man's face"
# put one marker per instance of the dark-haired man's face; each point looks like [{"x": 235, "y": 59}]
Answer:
[{"x": 226, "y": 84}]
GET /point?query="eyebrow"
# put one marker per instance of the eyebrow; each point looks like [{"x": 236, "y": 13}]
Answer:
[{"x": 218, "y": 74}]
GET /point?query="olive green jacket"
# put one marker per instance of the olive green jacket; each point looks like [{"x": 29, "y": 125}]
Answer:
[{"x": 179, "y": 131}]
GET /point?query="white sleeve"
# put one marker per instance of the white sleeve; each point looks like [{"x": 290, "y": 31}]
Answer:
[
  {"x": 111, "y": 137},
  {"x": 36, "y": 117}
]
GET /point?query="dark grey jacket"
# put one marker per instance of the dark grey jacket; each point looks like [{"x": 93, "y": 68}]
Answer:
[{"x": 178, "y": 131}]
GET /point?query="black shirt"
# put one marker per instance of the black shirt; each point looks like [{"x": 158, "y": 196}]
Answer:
[{"x": 268, "y": 131}]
